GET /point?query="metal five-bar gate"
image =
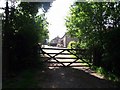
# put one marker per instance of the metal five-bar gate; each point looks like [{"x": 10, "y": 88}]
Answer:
[{"x": 63, "y": 57}]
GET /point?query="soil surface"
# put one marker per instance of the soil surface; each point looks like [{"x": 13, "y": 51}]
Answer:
[
  {"x": 62, "y": 77},
  {"x": 66, "y": 77}
]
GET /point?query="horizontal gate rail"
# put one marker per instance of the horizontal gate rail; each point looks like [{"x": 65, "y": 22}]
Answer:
[
  {"x": 69, "y": 66},
  {"x": 64, "y": 62},
  {"x": 65, "y": 58},
  {"x": 59, "y": 54},
  {"x": 64, "y": 49}
]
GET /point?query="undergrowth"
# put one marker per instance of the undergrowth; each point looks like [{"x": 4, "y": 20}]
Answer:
[{"x": 107, "y": 75}]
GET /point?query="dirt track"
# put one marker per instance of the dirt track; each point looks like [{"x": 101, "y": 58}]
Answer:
[{"x": 66, "y": 77}]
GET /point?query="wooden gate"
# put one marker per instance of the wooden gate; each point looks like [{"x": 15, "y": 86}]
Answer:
[{"x": 63, "y": 57}]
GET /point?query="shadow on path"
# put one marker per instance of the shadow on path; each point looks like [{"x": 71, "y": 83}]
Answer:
[{"x": 66, "y": 77}]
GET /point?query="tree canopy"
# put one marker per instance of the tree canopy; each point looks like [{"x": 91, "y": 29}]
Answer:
[{"x": 97, "y": 26}]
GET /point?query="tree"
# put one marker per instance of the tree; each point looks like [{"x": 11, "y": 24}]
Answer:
[
  {"x": 22, "y": 31},
  {"x": 97, "y": 25}
]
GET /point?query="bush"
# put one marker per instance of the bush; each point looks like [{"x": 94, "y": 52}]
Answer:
[{"x": 71, "y": 45}]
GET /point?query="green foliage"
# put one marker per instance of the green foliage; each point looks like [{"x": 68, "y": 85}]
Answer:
[
  {"x": 105, "y": 73},
  {"x": 82, "y": 45},
  {"x": 22, "y": 31},
  {"x": 71, "y": 45},
  {"x": 97, "y": 27}
]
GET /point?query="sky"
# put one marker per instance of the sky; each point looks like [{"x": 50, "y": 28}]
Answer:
[
  {"x": 2, "y": 4},
  {"x": 56, "y": 17}
]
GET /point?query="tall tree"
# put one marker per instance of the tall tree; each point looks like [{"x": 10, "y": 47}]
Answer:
[{"x": 97, "y": 25}]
